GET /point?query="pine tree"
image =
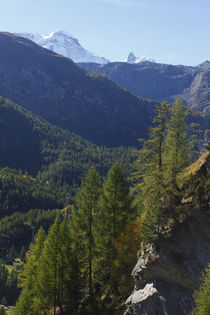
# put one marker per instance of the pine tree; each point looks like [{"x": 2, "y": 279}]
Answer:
[{"x": 84, "y": 223}]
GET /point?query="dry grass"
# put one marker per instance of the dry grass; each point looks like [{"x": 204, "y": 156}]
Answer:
[{"x": 193, "y": 168}]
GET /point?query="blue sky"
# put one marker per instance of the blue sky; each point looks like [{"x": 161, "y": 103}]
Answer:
[{"x": 176, "y": 32}]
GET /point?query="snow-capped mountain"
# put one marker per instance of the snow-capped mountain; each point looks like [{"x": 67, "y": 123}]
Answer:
[
  {"x": 133, "y": 59},
  {"x": 65, "y": 44}
]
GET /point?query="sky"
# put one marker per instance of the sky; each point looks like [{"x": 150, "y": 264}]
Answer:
[{"x": 173, "y": 32}]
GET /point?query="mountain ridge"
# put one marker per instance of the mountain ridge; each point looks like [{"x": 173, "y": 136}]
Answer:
[{"x": 161, "y": 82}]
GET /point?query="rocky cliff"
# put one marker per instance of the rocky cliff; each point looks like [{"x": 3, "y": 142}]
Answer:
[
  {"x": 161, "y": 81},
  {"x": 166, "y": 277}
]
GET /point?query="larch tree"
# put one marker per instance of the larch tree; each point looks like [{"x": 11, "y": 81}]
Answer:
[
  {"x": 83, "y": 224},
  {"x": 26, "y": 304},
  {"x": 115, "y": 211},
  {"x": 59, "y": 277},
  {"x": 202, "y": 295},
  {"x": 150, "y": 175},
  {"x": 177, "y": 148}
]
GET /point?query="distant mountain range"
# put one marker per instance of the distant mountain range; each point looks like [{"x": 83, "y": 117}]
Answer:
[
  {"x": 56, "y": 89},
  {"x": 160, "y": 81},
  {"x": 142, "y": 76},
  {"x": 65, "y": 44}
]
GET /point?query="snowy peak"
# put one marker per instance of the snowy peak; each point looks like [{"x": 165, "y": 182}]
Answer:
[
  {"x": 133, "y": 59},
  {"x": 65, "y": 44}
]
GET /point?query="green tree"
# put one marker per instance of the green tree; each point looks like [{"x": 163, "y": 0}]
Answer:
[
  {"x": 115, "y": 212},
  {"x": 84, "y": 223},
  {"x": 29, "y": 277},
  {"x": 202, "y": 296},
  {"x": 176, "y": 154},
  {"x": 2, "y": 311},
  {"x": 58, "y": 278},
  {"x": 49, "y": 282},
  {"x": 150, "y": 175},
  {"x": 4, "y": 301}
]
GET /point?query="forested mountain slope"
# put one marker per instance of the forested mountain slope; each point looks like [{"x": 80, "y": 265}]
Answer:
[
  {"x": 30, "y": 143},
  {"x": 56, "y": 89}
]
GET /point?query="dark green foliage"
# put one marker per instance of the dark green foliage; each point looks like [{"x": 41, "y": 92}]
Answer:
[
  {"x": 21, "y": 192},
  {"x": 15, "y": 230},
  {"x": 20, "y": 130},
  {"x": 60, "y": 158},
  {"x": 8, "y": 285}
]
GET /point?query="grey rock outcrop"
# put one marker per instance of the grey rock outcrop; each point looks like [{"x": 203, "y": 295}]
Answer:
[
  {"x": 147, "y": 301},
  {"x": 165, "y": 279}
]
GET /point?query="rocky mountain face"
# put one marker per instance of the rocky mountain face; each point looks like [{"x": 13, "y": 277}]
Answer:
[
  {"x": 133, "y": 59},
  {"x": 160, "y": 81},
  {"x": 65, "y": 44},
  {"x": 166, "y": 277},
  {"x": 56, "y": 89}
]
